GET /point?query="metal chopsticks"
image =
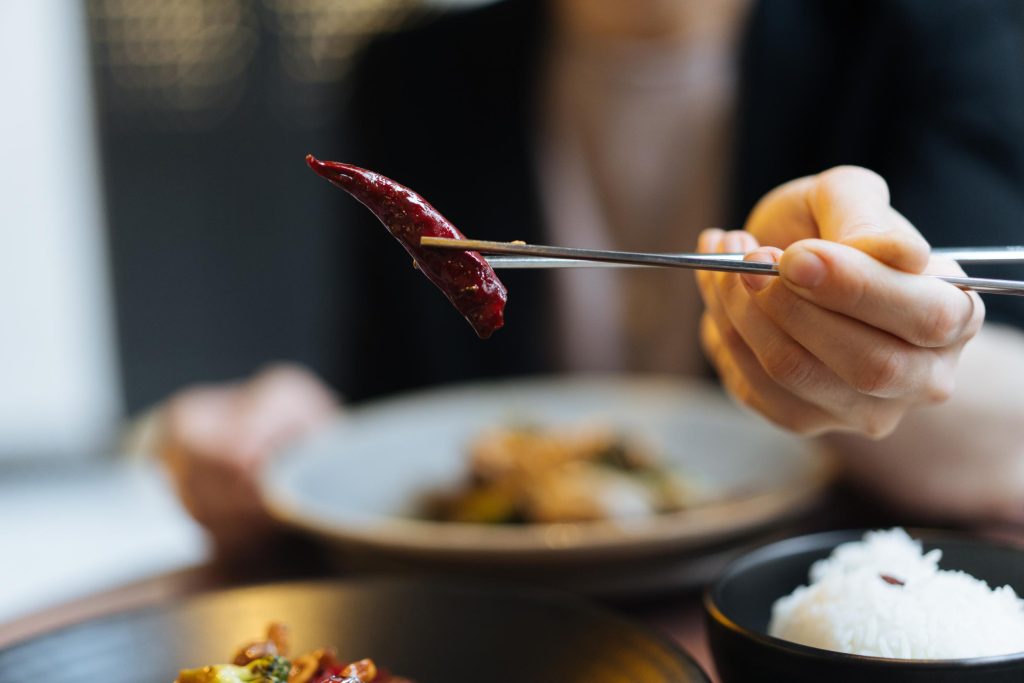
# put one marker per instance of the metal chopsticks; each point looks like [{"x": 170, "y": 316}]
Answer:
[
  {"x": 967, "y": 255},
  {"x": 519, "y": 255}
]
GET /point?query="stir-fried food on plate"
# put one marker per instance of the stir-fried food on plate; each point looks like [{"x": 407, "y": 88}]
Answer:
[
  {"x": 266, "y": 661},
  {"x": 581, "y": 473}
]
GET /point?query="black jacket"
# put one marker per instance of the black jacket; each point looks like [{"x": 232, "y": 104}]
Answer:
[{"x": 928, "y": 94}]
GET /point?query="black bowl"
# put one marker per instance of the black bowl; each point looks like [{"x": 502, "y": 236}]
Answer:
[
  {"x": 738, "y": 609},
  {"x": 431, "y": 632}
]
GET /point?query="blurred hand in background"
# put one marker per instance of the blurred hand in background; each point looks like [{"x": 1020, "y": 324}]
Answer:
[{"x": 216, "y": 439}]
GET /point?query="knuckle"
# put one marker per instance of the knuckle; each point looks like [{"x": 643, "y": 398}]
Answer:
[
  {"x": 726, "y": 285},
  {"x": 878, "y": 424},
  {"x": 172, "y": 415},
  {"x": 718, "y": 337},
  {"x": 854, "y": 290},
  {"x": 743, "y": 393},
  {"x": 180, "y": 411},
  {"x": 879, "y": 373},
  {"x": 880, "y": 430},
  {"x": 801, "y": 424},
  {"x": 281, "y": 373},
  {"x": 784, "y": 364},
  {"x": 941, "y": 327},
  {"x": 847, "y": 173},
  {"x": 941, "y": 391},
  {"x": 737, "y": 387},
  {"x": 709, "y": 336},
  {"x": 704, "y": 283},
  {"x": 977, "y": 318},
  {"x": 784, "y": 307},
  {"x": 942, "y": 384},
  {"x": 731, "y": 338}
]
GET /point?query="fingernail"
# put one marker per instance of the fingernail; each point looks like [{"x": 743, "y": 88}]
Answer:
[
  {"x": 708, "y": 239},
  {"x": 756, "y": 283},
  {"x": 733, "y": 243},
  {"x": 804, "y": 268}
]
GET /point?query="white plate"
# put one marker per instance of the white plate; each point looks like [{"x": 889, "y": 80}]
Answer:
[{"x": 357, "y": 482}]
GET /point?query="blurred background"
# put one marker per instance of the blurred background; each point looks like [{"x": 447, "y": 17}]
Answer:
[
  {"x": 151, "y": 160},
  {"x": 108, "y": 102},
  {"x": 160, "y": 229}
]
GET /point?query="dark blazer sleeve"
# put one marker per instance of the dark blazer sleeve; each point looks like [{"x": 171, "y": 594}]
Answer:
[{"x": 954, "y": 156}]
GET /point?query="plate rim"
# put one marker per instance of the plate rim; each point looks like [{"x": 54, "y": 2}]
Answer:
[
  {"x": 481, "y": 587},
  {"x": 400, "y": 536}
]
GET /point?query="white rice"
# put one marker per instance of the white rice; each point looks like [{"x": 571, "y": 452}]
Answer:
[{"x": 936, "y": 614}]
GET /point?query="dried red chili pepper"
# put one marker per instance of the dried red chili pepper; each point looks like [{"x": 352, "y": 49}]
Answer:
[{"x": 464, "y": 276}]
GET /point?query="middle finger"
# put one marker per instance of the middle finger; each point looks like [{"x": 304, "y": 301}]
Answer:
[
  {"x": 782, "y": 357},
  {"x": 872, "y": 361},
  {"x": 923, "y": 311}
]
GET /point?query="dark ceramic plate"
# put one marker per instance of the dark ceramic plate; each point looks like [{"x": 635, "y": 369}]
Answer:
[
  {"x": 433, "y": 633},
  {"x": 738, "y": 609}
]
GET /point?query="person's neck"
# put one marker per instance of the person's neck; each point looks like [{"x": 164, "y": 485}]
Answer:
[{"x": 656, "y": 22}]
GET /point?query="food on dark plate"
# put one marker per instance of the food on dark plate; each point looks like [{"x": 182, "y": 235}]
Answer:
[
  {"x": 266, "y": 661},
  {"x": 568, "y": 474},
  {"x": 465, "y": 277}
]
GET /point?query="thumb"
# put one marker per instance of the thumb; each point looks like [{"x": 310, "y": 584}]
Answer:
[{"x": 851, "y": 206}]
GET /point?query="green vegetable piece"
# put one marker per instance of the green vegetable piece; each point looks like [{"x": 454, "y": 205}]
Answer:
[
  {"x": 263, "y": 670},
  {"x": 484, "y": 506}
]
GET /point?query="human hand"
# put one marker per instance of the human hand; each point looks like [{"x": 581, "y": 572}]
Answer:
[
  {"x": 216, "y": 438},
  {"x": 849, "y": 337}
]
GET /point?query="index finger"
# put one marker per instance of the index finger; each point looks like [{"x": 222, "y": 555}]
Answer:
[{"x": 921, "y": 310}]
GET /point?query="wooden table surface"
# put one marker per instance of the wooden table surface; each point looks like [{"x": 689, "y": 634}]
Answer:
[{"x": 679, "y": 616}]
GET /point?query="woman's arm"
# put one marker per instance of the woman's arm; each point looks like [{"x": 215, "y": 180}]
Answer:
[
  {"x": 950, "y": 142},
  {"x": 963, "y": 460},
  {"x": 852, "y": 344},
  {"x": 955, "y": 163}
]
